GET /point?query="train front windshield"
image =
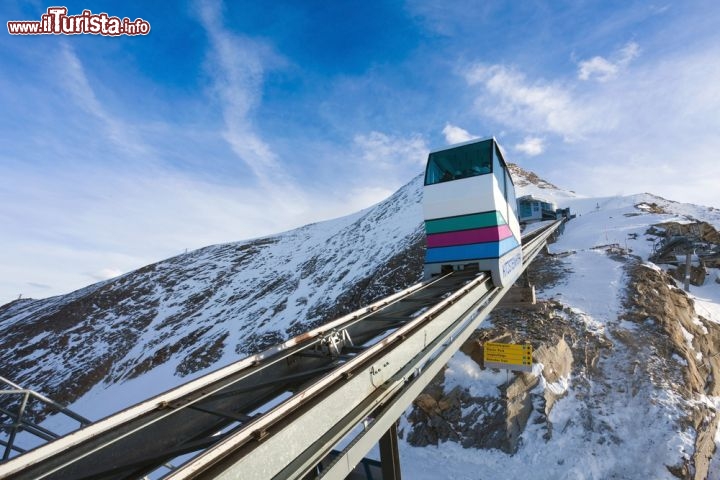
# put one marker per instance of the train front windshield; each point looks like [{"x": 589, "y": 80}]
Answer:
[{"x": 459, "y": 162}]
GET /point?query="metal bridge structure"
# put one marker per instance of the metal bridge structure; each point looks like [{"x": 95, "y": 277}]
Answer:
[{"x": 309, "y": 408}]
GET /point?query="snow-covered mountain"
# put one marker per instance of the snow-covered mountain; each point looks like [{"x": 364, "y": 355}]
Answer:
[
  {"x": 144, "y": 332},
  {"x": 624, "y": 380}
]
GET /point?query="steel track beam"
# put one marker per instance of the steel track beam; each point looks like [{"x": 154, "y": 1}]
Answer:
[
  {"x": 164, "y": 425},
  {"x": 286, "y": 446},
  {"x": 132, "y": 442},
  {"x": 291, "y": 447}
]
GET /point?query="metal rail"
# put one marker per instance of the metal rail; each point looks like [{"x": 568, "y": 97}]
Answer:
[
  {"x": 432, "y": 358},
  {"x": 376, "y": 393},
  {"x": 365, "y": 364},
  {"x": 18, "y": 420}
]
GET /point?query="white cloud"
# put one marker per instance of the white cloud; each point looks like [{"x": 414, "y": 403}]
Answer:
[
  {"x": 561, "y": 107},
  {"x": 387, "y": 151},
  {"x": 531, "y": 146},
  {"x": 602, "y": 70},
  {"x": 237, "y": 66},
  {"x": 455, "y": 134},
  {"x": 628, "y": 53},
  {"x": 597, "y": 67},
  {"x": 75, "y": 81},
  {"x": 383, "y": 163},
  {"x": 652, "y": 128},
  {"x": 663, "y": 138},
  {"x": 532, "y": 106},
  {"x": 364, "y": 197}
]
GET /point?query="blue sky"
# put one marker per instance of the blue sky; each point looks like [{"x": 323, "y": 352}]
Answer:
[{"x": 240, "y": 119}]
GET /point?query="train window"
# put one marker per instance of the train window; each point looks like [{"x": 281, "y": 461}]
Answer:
[
  {"x": 459, "y": 162},
  {"x": 525, "y": 210},
  {"x": 499, "y": 172},
  {"x": 510, "y": 189}
]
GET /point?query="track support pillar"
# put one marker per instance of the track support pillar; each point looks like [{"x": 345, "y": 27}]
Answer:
[{"x": 390, "y": 454}]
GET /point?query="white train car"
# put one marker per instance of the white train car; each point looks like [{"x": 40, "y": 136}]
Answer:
[{"x": 470, "y": 212}]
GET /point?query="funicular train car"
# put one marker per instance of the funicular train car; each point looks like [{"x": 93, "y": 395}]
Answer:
[{"x": 470, "y": 212}]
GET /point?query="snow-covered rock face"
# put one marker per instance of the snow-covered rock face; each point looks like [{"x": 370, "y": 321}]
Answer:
[
  {"x": 530, "y": 183},
  {"x": 615, "y": 415}
]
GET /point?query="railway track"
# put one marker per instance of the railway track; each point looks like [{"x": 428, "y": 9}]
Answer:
[{"x": 280, "y": 413}]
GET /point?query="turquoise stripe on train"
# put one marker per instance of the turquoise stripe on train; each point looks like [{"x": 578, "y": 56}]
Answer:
[
  {"x": 475, "y": 251},
  {"x": 464, "y": 222}
]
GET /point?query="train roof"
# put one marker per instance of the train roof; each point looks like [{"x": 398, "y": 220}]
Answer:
[
  {"x": 468, "y": 142},
  {"x": 477, "y": 140},
  {"x": 533, "y": 198}
]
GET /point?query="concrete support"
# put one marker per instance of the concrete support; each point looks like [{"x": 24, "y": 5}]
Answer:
[{"x": 519, "y": 297}]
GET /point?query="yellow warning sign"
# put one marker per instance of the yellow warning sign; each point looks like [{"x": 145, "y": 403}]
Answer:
[{"x": 507, "y": 355}]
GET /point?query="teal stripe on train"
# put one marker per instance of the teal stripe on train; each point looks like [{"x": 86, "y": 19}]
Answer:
[{"x": 464, "y": 222}]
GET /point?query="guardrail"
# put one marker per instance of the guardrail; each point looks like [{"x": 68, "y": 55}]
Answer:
[{"x": 16, "y": 406}]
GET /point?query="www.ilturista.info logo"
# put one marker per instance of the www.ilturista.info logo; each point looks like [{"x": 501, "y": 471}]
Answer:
[{"x": 57, "y": 22}]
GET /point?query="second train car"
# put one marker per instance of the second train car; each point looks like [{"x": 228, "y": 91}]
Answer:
[{"x": 471, "y": 212}]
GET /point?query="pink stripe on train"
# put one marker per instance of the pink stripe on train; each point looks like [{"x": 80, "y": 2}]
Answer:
[{"x": 466, "y": 237}]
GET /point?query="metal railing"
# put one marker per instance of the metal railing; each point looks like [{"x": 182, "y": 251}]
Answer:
[{"x": 16, "y": 408}]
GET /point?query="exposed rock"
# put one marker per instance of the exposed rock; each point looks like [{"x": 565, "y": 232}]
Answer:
[
  {"x": 499, "y": 421},
  {"x": 458, "y": 416},
  {"x": 654, "y": 298},
  {"x": 518, "y": 407},
  {"x": 701, "y": 230},
  {"x": 650, "y": 207},
  {"x": 557, "y": 361},
  {"x": 522, "y": 178}
]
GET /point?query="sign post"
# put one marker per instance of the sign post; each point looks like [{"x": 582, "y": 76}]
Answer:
[{"x": 508, "y": 356}]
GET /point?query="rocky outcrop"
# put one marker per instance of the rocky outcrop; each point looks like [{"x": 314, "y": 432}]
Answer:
[
  {"x": 523, "y": 178},
  {"x": 668, "y": 315},
  {"x": 498, "y": 421},
  {"x": 701, "y": 230}
]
